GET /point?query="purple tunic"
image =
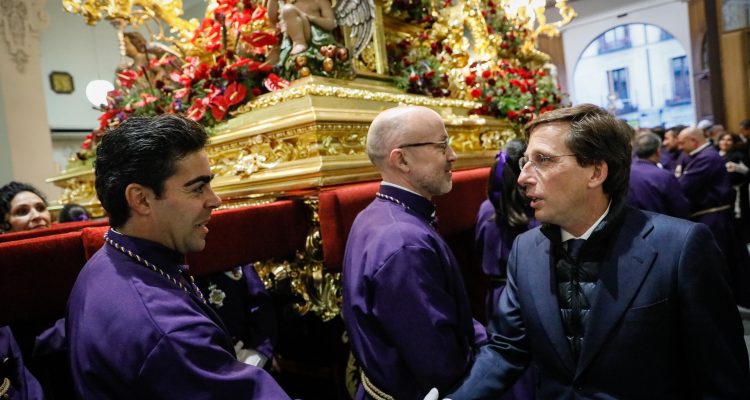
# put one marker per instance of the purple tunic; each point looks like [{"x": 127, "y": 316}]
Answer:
[
  {"x": 705, "y": 182},
  {"x": 23, "y": 385},
  {"x": 133, "y": 334},
  {"x": 405, "y": 305},
  {"x": 493, "y": 244},
  {"x": 671, "y": 159},
  {"x": 654, "y": 189}
]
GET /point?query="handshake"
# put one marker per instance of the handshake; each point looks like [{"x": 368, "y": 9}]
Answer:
[{"x": 433, "y": 394}]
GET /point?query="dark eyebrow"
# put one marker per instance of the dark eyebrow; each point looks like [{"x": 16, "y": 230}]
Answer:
[{"x": 202, "y": 179}]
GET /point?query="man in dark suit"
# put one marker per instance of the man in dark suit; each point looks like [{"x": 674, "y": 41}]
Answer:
[
  {"x": 652, "y": 188},
  {"x": 605, "y": 300}
]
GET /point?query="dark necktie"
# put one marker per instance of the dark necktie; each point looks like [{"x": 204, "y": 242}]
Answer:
[
  {"x": 575, "y": 294},
  {"x": 574, "y": 247}
]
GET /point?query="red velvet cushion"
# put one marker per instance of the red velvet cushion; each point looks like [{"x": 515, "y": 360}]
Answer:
[
  {"x": 36, "y": 276},
  {"x": 338, "y": 209},
  {"x": 55, "y": 229},
  {"x": 248, "y": 234},
  {"x": 93, "y": 240},
  {"x": 457, "y": 210},
  {"x": 339, "y": 206}
]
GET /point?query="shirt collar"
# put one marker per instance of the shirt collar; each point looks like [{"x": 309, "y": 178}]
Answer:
[
  {"x": 161, "y": 256},
  {"x": 414, "y": 201},
  {"x": 698, "y": 150},
  {"x": 565, "y": 235}
]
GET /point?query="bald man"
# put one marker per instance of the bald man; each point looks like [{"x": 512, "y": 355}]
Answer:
[
  {"x": 705, "y": 183},
  {"x": 405, "y": 305}
]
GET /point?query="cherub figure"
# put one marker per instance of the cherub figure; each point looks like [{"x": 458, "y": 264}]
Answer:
[
  {"x": 304, "y": 22},
  {"x": 308, "y": 27}
]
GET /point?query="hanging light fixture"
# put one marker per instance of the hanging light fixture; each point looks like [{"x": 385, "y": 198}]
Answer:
[{"x": 96, "y": 92}]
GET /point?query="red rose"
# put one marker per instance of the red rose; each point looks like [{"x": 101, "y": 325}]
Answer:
[
  {"x": 476, "y": 92},
  {"x": 486, "y": 74}
]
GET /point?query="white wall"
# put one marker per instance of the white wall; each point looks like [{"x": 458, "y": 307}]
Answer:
[
  {"x": 87, "y": 53},
  {"x": 598, "y": 16}
]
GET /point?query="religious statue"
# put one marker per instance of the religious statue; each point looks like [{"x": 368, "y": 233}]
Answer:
[
  {"x": 142, "y": 53},
  {"x": 308, "y": 45}
]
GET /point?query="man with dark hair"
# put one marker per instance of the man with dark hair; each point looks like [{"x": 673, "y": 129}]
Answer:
[
  {"x": 405, "y": 305},
  {"x": 670, "y": 157},
  {"x": 652, "y": 188},
  {"x": 137, "y": 325},
  {"x": 605, "y": 300}
]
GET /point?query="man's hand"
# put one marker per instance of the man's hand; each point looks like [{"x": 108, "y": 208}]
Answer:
[
  {"x": 433, "y": 394},
  {"x": 249, "y": 356}
]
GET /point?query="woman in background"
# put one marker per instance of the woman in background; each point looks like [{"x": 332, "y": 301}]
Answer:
[
  {"x": 503, "y": 216},
  {"x": 73, "y": 212},
  {"x": 737, "y": 166},
  {"x": 22, "y": 208}
]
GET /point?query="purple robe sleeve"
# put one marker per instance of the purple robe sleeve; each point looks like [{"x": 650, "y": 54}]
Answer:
[
  {"x": 52, "y": 340},
  {"x": 676, "y": 200},
  {"x": 188, "y": 363},
  {"x": 262, "y": 316},
  {"x": 420, "y": 316},
  {"x": 23, "y": 385}
]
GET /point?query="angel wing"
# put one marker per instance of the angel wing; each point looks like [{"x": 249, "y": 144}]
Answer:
[{"x": 358, "y": 15}]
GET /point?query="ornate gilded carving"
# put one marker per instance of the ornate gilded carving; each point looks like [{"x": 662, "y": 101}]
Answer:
[
  {"x": 317, "y": 89},
  {"x": 268, "y": 151},
  {"x": 135, "y": 12},
  {"x": 367, "y": 60},
  {"x": 77, "y": 189},
  {"x": 20, "y": 23},
  {"x": 319, "y": 291}
]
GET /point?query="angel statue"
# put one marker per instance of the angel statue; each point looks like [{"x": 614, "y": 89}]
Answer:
[
  {"x": 308, "y": 44},
  {"x": 142, "y": 56}
]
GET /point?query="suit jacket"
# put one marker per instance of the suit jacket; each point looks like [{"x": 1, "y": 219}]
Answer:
[{"x": 662, "y": 325}]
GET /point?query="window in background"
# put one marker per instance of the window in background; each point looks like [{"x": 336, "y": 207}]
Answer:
[
  {"x": 615, "y": 39},
  {"x": 618, "y": 91},
  {"x": 681, "y": 81},
  {"x": 639, "y": 72}
]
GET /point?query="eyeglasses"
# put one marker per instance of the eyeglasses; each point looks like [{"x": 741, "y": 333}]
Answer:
[
  {"x": 539, "y": 161},
  {"x": 442, "y": 146}
]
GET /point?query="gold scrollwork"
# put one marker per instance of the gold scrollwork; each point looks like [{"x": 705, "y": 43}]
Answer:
[
  {"x": 312, "y": 89},
  {"x": 367, "y": 60},
  {"x": 268, "y": 151},
  {"x": 77, "y": 189},
  {"x": 320, "y": 291},
  {"x": 494, "y": 139}
]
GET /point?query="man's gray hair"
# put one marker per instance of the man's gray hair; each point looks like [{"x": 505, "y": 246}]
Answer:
[{"x": 646, "y": 145}]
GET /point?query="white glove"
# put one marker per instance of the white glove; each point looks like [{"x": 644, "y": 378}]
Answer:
[
  {"x": 737, "y": 167},
  {"x": 432, "y": 395},
  {"x": 249, "y": 356}
]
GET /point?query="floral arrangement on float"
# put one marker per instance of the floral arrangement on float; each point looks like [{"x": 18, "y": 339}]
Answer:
[
  {"x": 510, "y": 83},
  {"x": 224, "y": 68}
]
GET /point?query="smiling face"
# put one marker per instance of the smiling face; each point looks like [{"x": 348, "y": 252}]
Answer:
[
  {"x": 180, "y": 214},
  {"x": 558, "y": 189},
  {"x": 27, "y": 211},
  {"x": 726, "y": 143},
  {"x": 429, "y": 164}
]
